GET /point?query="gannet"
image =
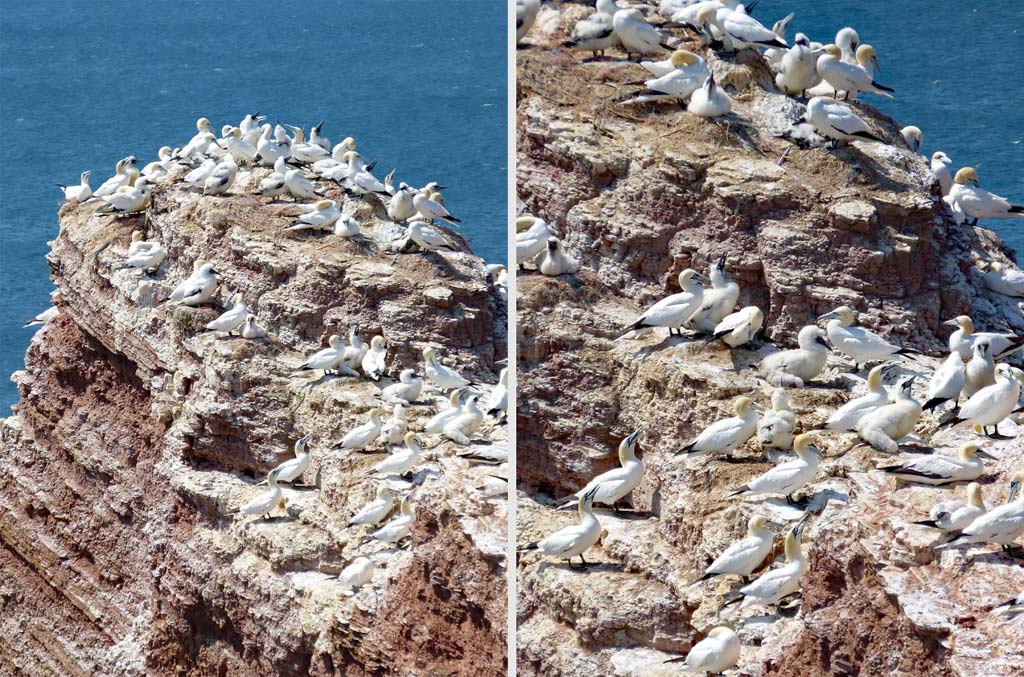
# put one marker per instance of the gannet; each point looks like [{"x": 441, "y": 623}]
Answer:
[
  {"x": 197, "y": 147},
  {"x": 687, "y": 75},
  {"x": 790, "y": 477},
  {"x": 441, "y": 375},
  {"x": 1001, "y": 525},
  {"x": 856, "y": 342},
  {"x": 406, "y": 391},
  {"x": 148, "y": 258},
  {"x": 612, "y": 486},
  {"x": 337, "y": 158},
  {"x": 120, "y": 178},
  {"x": 240, "y": 149},
  {"x": 430, "y": 209},
  {"x": 356, "y": 575},
  {"x": 526, "y": 15},
  {"x": 306, "y": 151},
  {"x": 160, "y": 168},
  {"x": 140, "y": 245},
  {"x": 847, "y": 40},
  {"x": 292, "y": 469},
  {"x": 941, "y": 171},
  {"x": 913, "y": 136},
  {"x": 323, "y": 217},
  {"x": 401, "y": 460},
  {"x": 374, "y": 361},
  {"x": 266, "y": 502},
  {"x": 400, "y": 207},
  {"x": 1003, "y": 280},
  {"x": 775, "y": 428},
  {"x": 672, "y": 311},
  {"x": 978, "y": 203},
  {"x": 717, "y": 301},
  {"x": 197, "y": 177},
  {"x": 740, "y": 327},
  {"x": 946, "y": 383},
  {"x": 273, "y": 184},
  {"x": 980, "y": 372},
  {"x": 128, "y": 199},
  {"x": 79, "y": 193},
  {"x": 744, "y": 556},
  {"x": 326, "y": 359},
  {"x": 710, "y": 101},
  {"x": 990, "y": 405},
  {"x": 636, "y": 35},
  {"x": 361, "y": 436},
  {"x": 462, "y": 427},
  {"x": 252, "y": 330},
  {"x": 439, "y": 420},
  {"x": 346, "y": 227},
  {"x": 493, "y": 487},
  {"x": 485, "y": 455},
  {"x": 886, "y": 425},
  {"x": 268, "y": 152},
  {"x": 359, "y": 347},
  {"x": 846, "y": 417},
  {"x": 426, "y": 237},
  {"x": 952, "y": 516},
  {"x": 497, "y": 403},
  {"x": 374, "y": 512},
  {"x": 573, "y": 540},
  {"x": 596, "y": 32},
  {"x": 298, "y": 185},
  {"x": 798, "y": 68},
  {"x": 553, "y": 261},
  {"x": 776, "y": 584},
  {"x": 835, "y": 121},
  {"x": 221, "y": 178},
  {"x": 851, "y": 79},
  {"x": 178, "y": 292},
  {"x": 963, "y": 339},
  {"x": 400, "y": 526},
  {"x": 200, "y": 287},
  {"x": 793, "y": 368},
  {"x": 351, "y": 355},
  {"x": 773, "y": 55},
  {"x": 43, "y": 317},
  {"x": 357, "y": 176},
  {"x": 714, "y": 654},
  {"x": 728, "y": 434},
  {"x": 937, "y": 469},
  {"x": 393, "y": 431},
  {"x": 955, "y": 209},
  {"x": 742, "y": 30},
  {"x": 530, "y": 240}
]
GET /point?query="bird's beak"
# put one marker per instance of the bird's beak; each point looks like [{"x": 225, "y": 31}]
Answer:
[
  {"x": 985, "y": 454},
  {"x": 821, "y": 341},
  {"x": 874, "y": 62},
  {"x": 442, "y": 187},
  {"x": 701, "y": 278},
  {"x": 757, "y": 407},
  {"x": 634, "y": 436},
  {"x": 828, "y": 316},
  {"x": 951, "y": 323}
]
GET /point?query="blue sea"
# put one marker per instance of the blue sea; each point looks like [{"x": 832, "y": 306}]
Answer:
[{"x": 420, "y": 84}]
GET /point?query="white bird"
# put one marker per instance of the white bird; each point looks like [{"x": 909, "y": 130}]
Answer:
[
  {"x": 637, "y": 36},
  {"x": 793, "y": 368},
  {"x": 553, "y": 261},
  {"x": 851, "y": 79},
  {"x": 43, "y": 317},
  {"x": 790, "y": 477},
  {"x": 298, "y": 185},
  {"x": 400, "y": 206},
  {"x": 431, "y": 209},
  {"x": 346, "y": 227},
  {"x": 913, "y": 136},
  {"x": 978, "y": 203},
  {"x": 886, "y": 425},
  {"x": 129, "y": 199},
  {"x": 775, "y": 428},
  {"x": 847, "y": 41},
  {"x": 953, "y": 516},
  {"x": 980, "y": 372},
  {"x": 401, "y": 460},
  {"x": 572, "y": 541},
  {"x": 439, "y": 420},
  {"x": 221, "y": 178},
  {"x": 273, "y": 184},
  {"x": 531, "y": 238},
  {"x": 742, "y": 30},
  {"x": 497, "y": 404},
  {"x": 846, "y": 417},
  {"x": 964, "y": 339},
  {"x": 714, "y": 654},
  {"x": 356, "y": 176},
  {"x": 197, "y": 177},
  {"x": 393, "y": 431},
  {"x": 596, "y": 32},
  {"x": 936, "y": 469},
  {"x": 374, "y": 512},
  {"x": 198, "y": 147},
  {"x": 744, "y": 556},
  {"x": 406, "y": 391},
  {"x": 337, "y": 158},
  {"x": 306, "y": 151},
  {"x": 773, "y": 55},
  {"x": 292, "y": 469},
  {"x": 672, "y": 311},
  {"x": 79, "y": 193},
  {"x": 992, "y": 404},
  {"x": 1004, "y": 280},
  {"x": 856, "y": 342},
  {"x": 240, "y": 149},
  {"x": 120, "y": 178},
  {"x": 266, "y": 502},
  {"x": 717, "y": 302},
  {"x": 269, "y": 152},
  {"x": 835, "y": 121},
  {"x": 356, "y": 575},
  {"x": 326, "y": 359},
  {"x": 323, "y": 216},
  {"x": 940, "y": 171},
  {"x": 946, "y": 383},
  {"x": 526, "y": 15},
  {"x": 426, "y": 237},
  {"x": 232, "y": 318},
  {"x": 199, "y": 288},
  {"x": 361, "y": 436},
  {"x": 148, "y": 258},
  {"x": 160, "y": 168},
  {"x": 352, "y": 356},
  {"x": 739, "y": 328},
  {"x": 710, "y": 101},
  {"x": 686, "y": 76},
  {"x": 797, "y": 69},
  {"x": 461, "y": 428},
  {"x": 251, "y": 330},
  {"x": 374, "y": 361},
  {"x": 1001, "y": 525},
  {"x": 616, "y": 484},
  {"x": 399, "y": 527},
  {"x": 728, "y": 434},
  {"x": 485, "y": 455},
  {"x": 441, "y": 375},
  {"x": 778, "y": 583}
]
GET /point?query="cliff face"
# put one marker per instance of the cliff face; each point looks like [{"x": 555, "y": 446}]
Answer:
[
  {"x": 639, "y": 194},
  {"x": 137, "y": 434}
]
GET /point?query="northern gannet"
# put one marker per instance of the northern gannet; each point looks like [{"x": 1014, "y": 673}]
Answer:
[
  {"x": 199, "y": 288},
  {"x": 717, "y": 302},
  {"x": 980, "y": 372},
  {"x": 273, "y": 184},
  {"x": 798, "y": 68},
  {"x": 978, "y": 203},
  {"x": 573, "y": 540},
  {"x": 393, "y": 431},
  {"x": 250, "y": 126},
  {"x": 79, "y": 193},
  {"x": 356, "y": 575},
  {"x": 221, "y": 178},
  {"x": 43, "y": 317},
  {"x": 612, "y": 486},
  {"x": 148, "y": 258},
  {"x": 1003, "y": 280},
  {"x": 462, "y": 427},
  {"x": 526, "y": 15},
  {"x": 266, "y": 502},
  {"x": 793, "y": 368},
  {"x": 744, "y": 556},
  {"x": 441, "y": 375},
  {"x": 120, "y": 178},
  {"x": 553, "y": 261},
  {"x": 401, "y": 460},
  {"x": 252, "y": 330},
  {"x": 728, "y": 434},
  {"x": 773, "y": 55},
  {"x": 374, "y": 512},
  {"x": 953, "y": 516},
  {"x": 129, "y": 199},
  {"x": 485, "y": 455},
  {"x": 400, "y": 207},
  {"x": 992, "y": 404},
  {"x": 269, "y": 152},
  {"x": 1001, "y": 525},
  {"x": 337, "y": 158},
  {"x": 710, "y": 101},
  {"x": 430, "y": 209},
  {"x": 851, "y": 79},
  {"x": 742, "y": 30},
  {"x": 912, "y": 135},
  {"x": 776, "y": 426},
  {"x": 197, "y": 177},
  {"x": 886, "y": 425},
  {"x": 406, "y": 391},
  {"x": 846, "y": 417},
  {"x": 856, "y": 342},
  {"x": 790, "y": 477},
  {"x": 836, "y": 122},
  {"x": 776, "y": 584},
  {"x": 400, "y": 526},
  {"x": 637, "y": 36},
  {"x": 596, "y": 32},
  {"x": 946, "y": 383},
  {"x": 323, "y": 216},
  {"x": 326, "y": 359},
  {"x": 497, "y": 403},
  {"x": 439, "y": 420},
  {"x": 160, "y": 168},
  {"x": 352, "y": 355},
  {"x": 687, "y": 75},
  {"x": 361, "y": 436},
  {"x": 197, "y": 147},
  {"x": 374, "y": 361},
  {"x": 941, "y": 172},
  {"x": 714, "y": 654},
  {"x": 346, "y": 227},
  {"x": 847, "y": 41},
  {"x": 672, "y": 311},
  {"x": 292, "y": 469},
  {"x": 306, "y": 151},
  {"x": 963, "y": 339},
  {"x": 739, "y": 328},
  {"x": 426, "y": 237},
  {"x": 531, "y": 239},
  {"x": 240, "y": 149},
  {"x": 299, "y": 186},
  {"x": 936, "y": 469},
  {"x": 357, "y": 176}
]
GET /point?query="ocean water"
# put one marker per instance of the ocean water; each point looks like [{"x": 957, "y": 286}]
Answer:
[{"x": 420, "y": 84}]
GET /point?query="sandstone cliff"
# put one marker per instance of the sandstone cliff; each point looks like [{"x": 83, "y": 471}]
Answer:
[
  {"x": 137, "y": 434},
  {"x": 639, "y": 194}
]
